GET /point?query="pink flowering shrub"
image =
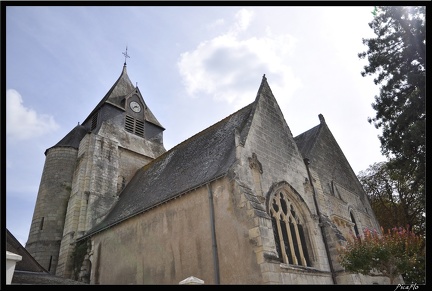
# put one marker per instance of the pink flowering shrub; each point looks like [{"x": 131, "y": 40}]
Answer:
[{"x": 392, "y": 254}]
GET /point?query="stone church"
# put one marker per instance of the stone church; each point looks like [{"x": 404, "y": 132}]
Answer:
[{"x": 241, "y": 202}]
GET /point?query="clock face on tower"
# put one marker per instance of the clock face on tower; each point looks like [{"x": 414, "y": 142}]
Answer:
[{"x": 135, "y": 106}]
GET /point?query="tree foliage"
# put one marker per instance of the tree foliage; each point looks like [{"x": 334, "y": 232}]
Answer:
[
  {"x": 397, "y": 59},
  {"x": 393, "y": 200},
  {"x": 398, "y": 251},
  {"x": 396, "y": 188}
]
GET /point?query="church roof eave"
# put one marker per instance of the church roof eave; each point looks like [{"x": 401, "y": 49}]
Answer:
[{"x": 72, "y": 139}]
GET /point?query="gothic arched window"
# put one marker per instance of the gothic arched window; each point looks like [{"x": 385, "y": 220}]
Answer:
[{"x": 289, "y": 230}]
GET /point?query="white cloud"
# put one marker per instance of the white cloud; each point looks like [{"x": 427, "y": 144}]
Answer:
[
  {"x": 244, "y": 18},
  {"x": 229, "y": 68},
  {"x": 24, "y": 123},
  {"x": 217, "y": 23}
]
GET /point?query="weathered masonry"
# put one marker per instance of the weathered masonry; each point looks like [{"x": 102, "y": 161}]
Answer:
[{"x": 241, "y": 202}]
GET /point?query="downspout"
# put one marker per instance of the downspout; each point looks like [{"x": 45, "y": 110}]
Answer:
[
  {"x": 213, "y": 233},
  {"x": 307, "y": 162}
]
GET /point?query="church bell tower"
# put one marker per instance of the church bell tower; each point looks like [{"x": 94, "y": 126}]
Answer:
[{"x": 85, "y": 172}]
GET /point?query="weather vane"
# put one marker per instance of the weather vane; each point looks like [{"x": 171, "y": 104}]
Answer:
[{"x": 126, "y": 55}]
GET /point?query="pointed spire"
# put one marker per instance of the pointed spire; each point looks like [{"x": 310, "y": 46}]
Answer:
[
  {"x": 263, "y": 85},
  {"x": 321, "y": 118}
]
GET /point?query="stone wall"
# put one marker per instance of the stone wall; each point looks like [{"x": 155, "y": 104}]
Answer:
[{"x": 46, "y": 230}]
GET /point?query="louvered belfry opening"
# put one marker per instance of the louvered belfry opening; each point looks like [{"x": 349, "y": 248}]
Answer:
[
  {"x": 94, "y": 121},
  {"x": 134, "y": 125}
]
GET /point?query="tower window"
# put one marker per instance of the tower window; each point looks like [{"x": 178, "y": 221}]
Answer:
[
  {"x": 94, "y": 121},
  {"x": 355, "y": 225},
  {"x": 288, "y": 231},
  {"x": 134, "y": 125},
  {"x": 42, "y": 223},
  {"x": 50, "y": 262}
]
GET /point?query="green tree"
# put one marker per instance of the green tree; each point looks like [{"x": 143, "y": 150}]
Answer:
[
  {"x": 397, "y": 59},
  {"x": 396, "y": 252},
  {"x": 393, "y": 200}
]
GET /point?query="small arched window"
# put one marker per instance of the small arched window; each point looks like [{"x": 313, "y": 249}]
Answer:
[
  {"x": 289, "y": 231},
  {"x": 357, "y": 234}
]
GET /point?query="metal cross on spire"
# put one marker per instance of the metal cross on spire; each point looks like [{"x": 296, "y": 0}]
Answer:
[{"x": 126, "y": 56}]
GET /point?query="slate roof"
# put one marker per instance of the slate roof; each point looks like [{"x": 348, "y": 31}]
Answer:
[
  {"x": 115, "y": 96},
  {"x": 73, "y": 138},
  {"x": 117, "y": 93},
  {"x": 28, "y": 271},
  {"x": 204, "y": 157},
  {"x": 306, "y": 140},
  {"x": 41, "y": 278},
  {"x": 27, "y": 263},
  {"x": 319, "y": 144}
]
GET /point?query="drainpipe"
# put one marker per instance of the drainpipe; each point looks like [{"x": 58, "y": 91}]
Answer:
[
  {"x": 307, "y": 162},
  {"x": 213, "y": 233}
]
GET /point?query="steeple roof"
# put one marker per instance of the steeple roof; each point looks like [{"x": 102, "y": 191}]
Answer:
[
  {"x": 117, "y": 94},
  {"x": 121, "y": 88}
]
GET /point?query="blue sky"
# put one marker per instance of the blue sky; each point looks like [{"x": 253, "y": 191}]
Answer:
[{"x": 194, "y": 66}]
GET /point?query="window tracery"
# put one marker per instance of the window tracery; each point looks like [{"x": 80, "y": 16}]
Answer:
[{"x": 289, "y": 231}]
